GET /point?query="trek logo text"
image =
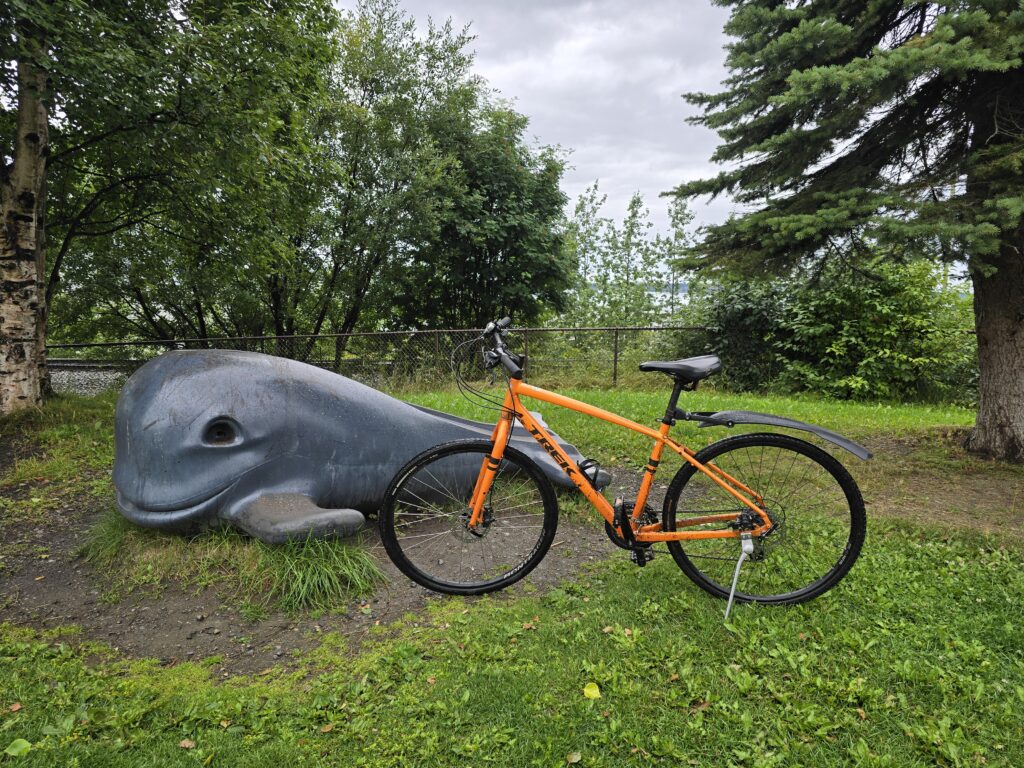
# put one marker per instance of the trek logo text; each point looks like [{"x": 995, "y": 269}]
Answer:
[{"x": 569, "y": 469}]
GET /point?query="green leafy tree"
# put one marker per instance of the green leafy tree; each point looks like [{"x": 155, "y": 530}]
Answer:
[
  {"x": 147, "y": 120},
  {"x": 894, "y": 124},
  {"x": 392, "y": 87},
  {"x": 624, "y": 268},
  {"x": 389, "y": 181},
  {"x": 498, "y": 246}
]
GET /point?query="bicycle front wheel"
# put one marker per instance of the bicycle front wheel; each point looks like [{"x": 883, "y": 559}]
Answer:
[
  {"x": 813, "y": 502},
  {"x": 423, "y": 521}
]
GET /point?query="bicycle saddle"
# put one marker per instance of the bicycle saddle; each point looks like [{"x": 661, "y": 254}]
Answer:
[{"x": 690, "y": 370}]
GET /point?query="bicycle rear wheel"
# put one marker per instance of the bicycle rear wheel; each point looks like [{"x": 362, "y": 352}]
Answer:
[
  {"x": 423, "y": 521},
  {"x": 814, "y": 503}
]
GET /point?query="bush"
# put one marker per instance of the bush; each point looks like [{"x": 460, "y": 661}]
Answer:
[{"x": 893, "y": 332}]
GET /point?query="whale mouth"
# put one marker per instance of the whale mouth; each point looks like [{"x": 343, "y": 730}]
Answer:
[{"x": 163, "y": 516}]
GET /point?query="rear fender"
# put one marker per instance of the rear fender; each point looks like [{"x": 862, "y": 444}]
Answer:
[{"x": 731, "y": 418}]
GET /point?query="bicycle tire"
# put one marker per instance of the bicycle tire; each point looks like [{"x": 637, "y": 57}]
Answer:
[
  {"x": 429, "y": 499},
  {"x": 812, "y": 547}
]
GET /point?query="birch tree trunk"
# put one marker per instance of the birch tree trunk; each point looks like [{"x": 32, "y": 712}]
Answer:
[{"x": 22, "y": 246}]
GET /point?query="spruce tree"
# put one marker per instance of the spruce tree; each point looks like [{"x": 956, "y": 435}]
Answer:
[{"x": 846, "y": 126}]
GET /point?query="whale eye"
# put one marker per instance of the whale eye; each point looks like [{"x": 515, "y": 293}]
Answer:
[{"x": 221, "y": 431}]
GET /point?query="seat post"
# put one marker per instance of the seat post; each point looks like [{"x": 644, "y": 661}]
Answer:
[{"x": 670, "y": 412}]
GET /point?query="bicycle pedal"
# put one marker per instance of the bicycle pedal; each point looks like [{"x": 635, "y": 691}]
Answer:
[{"x": 641, "y": 556}]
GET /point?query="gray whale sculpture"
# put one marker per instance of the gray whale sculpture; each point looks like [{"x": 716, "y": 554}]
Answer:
[{"x": 278, "y": 448}]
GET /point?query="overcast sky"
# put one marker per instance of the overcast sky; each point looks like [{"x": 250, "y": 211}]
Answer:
[{"x": 604, "y": 79}]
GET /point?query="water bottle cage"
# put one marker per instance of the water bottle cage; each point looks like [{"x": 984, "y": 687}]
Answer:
[{"x": 590, "y": 469}]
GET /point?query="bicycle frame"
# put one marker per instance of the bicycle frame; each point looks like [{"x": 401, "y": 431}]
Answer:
[{"x": 512, "y": 408}]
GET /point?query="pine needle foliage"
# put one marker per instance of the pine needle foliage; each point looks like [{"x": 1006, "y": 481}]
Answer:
[{"x": 848, "y": 123}]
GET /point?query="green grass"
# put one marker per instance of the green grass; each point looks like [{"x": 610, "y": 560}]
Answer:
[
  {"x": 313, "y": 575},
  {"x": 67, "y": 452},
  {"x": 75, "y": 438},
  {"x": 914, "y": 660},
  {"x": 611, "y": 444}
]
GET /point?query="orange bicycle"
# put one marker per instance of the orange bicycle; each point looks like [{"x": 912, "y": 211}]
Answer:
[{"x": 474, "y": 516}]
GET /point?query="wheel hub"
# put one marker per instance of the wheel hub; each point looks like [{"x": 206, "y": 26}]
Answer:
[{"x": 463, "y": 529}]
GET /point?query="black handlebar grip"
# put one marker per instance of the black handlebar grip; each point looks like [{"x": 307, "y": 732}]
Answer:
[
  {"x": 504, "y": 323},
  {"x": 511, "y": 366}
]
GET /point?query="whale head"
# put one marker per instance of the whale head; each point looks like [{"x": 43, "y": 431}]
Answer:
[{"x": 190, "y": 424}]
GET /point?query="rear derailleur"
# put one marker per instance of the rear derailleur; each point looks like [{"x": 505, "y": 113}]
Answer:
[{"x": 748, "y": 521}]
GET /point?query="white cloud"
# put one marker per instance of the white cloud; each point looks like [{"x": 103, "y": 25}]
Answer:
[{"x": 604, "y": 79}]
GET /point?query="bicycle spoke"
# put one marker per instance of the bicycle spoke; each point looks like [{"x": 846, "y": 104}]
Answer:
[
  {"x": 435, "y": 540},
  {"x": 808, "y": 506}
]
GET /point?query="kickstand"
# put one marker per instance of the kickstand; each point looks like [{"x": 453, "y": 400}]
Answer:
[{"x": 746, "y": 548}]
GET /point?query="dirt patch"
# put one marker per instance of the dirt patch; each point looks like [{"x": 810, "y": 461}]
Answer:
[
  {"x": 14, "y": 446},
  {"x": 932, "y": 480},
  {"x": 44, "y": 584}
]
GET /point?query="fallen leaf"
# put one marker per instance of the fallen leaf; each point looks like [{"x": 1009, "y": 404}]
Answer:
[
  {"x": 862, "y": 713},
  {"x": 327, "y": 728},
  {"x": 608, "y": 630},
  {"x": 15, "y": 706},
  {"x": 225, "y": 723},
  {"x": 573, "y": 757},
  {"x": 699, "y": 705},
  {"x": 528, "y": 625},
  {"x": 606, "y": 713},
  {"x": 591, "y": 691},
  {"x": 18, "y": 748},
  {"x": 627, "y": 632},
  {"x": 187, "y": 744},
  {"x": 673, "y": 677},
  {"x": 40, "y": 578},
  {"x": 431, "y": 680}
]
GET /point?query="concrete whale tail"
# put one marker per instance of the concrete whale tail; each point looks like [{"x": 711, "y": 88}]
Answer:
[{"x": 281, "y": 517}]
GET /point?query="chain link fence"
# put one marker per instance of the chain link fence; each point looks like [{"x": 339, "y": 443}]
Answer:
[{"x": 562, "y": 357}]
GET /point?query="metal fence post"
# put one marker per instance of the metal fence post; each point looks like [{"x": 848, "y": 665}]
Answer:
[
  {"x": 615, "y": 358},
  {"x": 526, "y": 351}
]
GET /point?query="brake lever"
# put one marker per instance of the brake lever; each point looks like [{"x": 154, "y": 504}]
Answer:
[{"x": 491, "y": 359}]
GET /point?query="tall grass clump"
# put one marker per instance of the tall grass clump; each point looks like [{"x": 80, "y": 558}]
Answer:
[{"x": 314, "y": 574}]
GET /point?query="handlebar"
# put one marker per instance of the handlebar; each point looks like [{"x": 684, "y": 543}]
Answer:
[
  {"x": 511, "y": 362},
  {"x": 497, "y": 325}
]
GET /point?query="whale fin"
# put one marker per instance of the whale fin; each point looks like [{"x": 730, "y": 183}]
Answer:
[{"x": 277, "y": 518}]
